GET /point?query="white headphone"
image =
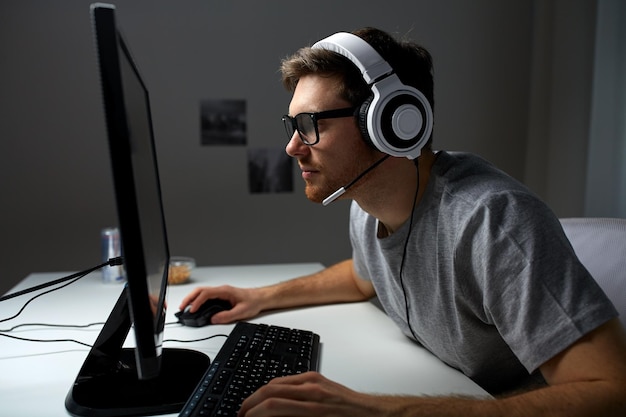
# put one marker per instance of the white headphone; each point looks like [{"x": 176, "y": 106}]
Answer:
[{"x": 397, "y": 119}]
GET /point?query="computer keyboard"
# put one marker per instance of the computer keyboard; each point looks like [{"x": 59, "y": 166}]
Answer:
[{"x": 252, "y": 355}]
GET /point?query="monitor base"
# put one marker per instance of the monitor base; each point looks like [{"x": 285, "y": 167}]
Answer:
[{"x": 106, "y": 389}]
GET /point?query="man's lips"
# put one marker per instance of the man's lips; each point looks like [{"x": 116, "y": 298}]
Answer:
[{"x": 308, "y": 172}]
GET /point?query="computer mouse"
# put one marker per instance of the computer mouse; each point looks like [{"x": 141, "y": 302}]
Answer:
[{"x": 202, "y": 317}]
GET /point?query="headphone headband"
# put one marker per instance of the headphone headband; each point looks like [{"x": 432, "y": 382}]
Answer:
[{"x": 372, "y": 65}]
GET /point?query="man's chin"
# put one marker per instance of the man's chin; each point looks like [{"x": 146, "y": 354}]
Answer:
[
  {"x": 316, "y": 195},
  {"x": 314, "y": 198}
]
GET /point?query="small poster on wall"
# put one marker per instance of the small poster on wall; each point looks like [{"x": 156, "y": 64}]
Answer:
[
  {"x": 270, "y": 170},
  {"x": 223, "y": 122}
]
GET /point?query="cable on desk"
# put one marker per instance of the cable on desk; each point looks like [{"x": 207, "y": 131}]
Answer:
[
  {"x": 65, "y": 326},
  {"x": 111, "y": 262},
  {"x": 84, "y": 326},
  {"x": 68, "y": 326},
  {"x": 39, "y": 295},
  {"x": 196, "y": 340},
  {"x": 72, "y": 278},
  {"x": 28, "y": 339}
]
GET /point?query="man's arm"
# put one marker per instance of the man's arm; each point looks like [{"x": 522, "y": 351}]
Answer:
[
  {"x": 336, "y": 284},
  {"x": 587, "y": 379}
]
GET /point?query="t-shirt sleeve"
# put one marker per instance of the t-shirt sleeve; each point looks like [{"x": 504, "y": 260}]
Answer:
[{"x": 540, "y": 300}]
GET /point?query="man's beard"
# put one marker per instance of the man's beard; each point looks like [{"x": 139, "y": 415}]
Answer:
[
  {"x": 317, "y": 194},
  {"x": 320, "y": 191}
]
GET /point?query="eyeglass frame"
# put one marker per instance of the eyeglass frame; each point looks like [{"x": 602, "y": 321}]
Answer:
[{"x": 315, "y": 116}]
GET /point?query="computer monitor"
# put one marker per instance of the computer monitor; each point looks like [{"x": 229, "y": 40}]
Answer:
[{"x": 146, "y": 379}]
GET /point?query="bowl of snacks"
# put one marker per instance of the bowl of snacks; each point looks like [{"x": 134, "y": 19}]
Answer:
[{"x": 180, "y": 269}]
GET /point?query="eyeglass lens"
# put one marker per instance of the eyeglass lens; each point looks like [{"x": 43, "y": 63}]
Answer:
[{"x": 304, "y": 123}]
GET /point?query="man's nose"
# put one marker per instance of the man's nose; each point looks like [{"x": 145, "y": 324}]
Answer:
[{"x": 295, "y": 146}]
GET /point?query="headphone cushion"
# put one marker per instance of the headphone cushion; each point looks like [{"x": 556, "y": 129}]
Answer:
[{"x": 362, "y": 120}]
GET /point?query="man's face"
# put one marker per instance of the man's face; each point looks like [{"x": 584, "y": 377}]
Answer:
[{"x": 341, "y": 154}]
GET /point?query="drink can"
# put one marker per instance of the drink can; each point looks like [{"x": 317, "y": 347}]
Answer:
[{"x": 111, "y": 248}]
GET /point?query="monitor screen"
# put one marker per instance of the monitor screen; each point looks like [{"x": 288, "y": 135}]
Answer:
[
  {"x": 145, "y": 379},
  {"x": 137, "y": 190}
]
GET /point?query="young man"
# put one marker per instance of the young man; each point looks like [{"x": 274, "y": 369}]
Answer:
[{"x": 464, "y": 259}]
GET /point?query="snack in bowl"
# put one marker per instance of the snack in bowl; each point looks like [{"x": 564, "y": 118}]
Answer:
[{"x": 180, "y": 269}]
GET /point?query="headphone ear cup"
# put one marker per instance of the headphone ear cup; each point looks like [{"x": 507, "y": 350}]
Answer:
[
  {"x": 362, "y": 120},
  {"x": 402, "y": 121},
  {"x": 399, "y": 118}
]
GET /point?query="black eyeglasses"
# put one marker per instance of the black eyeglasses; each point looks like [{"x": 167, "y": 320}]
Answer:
[{"x": 306, "y": 123}]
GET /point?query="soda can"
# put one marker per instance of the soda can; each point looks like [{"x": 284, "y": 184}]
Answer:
[{"x": 111, "y": 248}]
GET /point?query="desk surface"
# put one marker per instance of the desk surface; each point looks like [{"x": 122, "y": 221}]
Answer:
[{"x": 35, "y": 377}]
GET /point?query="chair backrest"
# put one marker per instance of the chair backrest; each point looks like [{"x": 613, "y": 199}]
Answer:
[{"x": 600, "y": 244}]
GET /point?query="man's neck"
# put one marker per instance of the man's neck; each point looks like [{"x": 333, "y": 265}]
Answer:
[{"x": 394, "y": 198}]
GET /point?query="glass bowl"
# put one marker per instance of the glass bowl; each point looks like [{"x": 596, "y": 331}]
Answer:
[{"x": 180, "y": 269}]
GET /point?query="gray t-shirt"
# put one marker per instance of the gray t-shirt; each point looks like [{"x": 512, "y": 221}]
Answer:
[{"x": 493, "y": 286}]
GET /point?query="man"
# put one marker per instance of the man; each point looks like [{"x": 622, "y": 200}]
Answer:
[{"x": 464, "y": 259}]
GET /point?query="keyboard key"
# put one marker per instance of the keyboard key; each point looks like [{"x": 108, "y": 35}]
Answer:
[{"x": 253, "y": 355}]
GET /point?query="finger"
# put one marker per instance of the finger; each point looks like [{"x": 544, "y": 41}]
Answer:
[
  {"x": 282, "y": 407},
  {"x": 225, "y": 317},
  {"x": 189, "y": 298},
  {"x": 301, "y": 387},
  {"x": 198, "y": 296},
  {"x": 298, "y": 379},
  {"x": 239, "y": 311},
  {"x": 306, "y": 395},
  {"x": 278, "y": 400}
]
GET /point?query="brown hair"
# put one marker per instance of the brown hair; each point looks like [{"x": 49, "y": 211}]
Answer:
[{"x": 410, "y": 61}]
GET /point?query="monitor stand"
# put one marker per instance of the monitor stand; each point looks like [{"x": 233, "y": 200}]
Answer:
[{"x": 108, "y": 383}]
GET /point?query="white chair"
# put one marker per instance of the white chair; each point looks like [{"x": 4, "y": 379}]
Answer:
[{"x": 600, "y": 244}]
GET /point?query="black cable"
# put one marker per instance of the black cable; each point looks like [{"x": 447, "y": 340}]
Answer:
[
  {"x": 111, "y": 262},
  {"x": 196, "y": 340},
  {"x": 68, "y": 326},
  {"x": 27, "y": 339},
  {"x": 75, "y": 278},
  {"x": 364, "y": 173},
  {"x": 406, "y": 244},
  {"x": 72, "y": 278},
  {"x": 65, "y": 326}
]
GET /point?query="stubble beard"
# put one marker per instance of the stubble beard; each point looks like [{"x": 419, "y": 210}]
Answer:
[{"x": 318, "y": 192}]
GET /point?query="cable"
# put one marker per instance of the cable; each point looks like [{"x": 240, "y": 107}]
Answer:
[
  {"x": 72, "y": 278},
  {"x": 39, "y": 295},
  {"x": 65, "y": 326},
  {"x": 111, "y": 262},
  {"x": 406, "y": 244},
  {"x": 196, "y": 340},
  {"x": 27, "y": 339}
]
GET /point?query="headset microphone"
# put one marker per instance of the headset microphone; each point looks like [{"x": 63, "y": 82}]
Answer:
[{"x": 343, "y": 189}]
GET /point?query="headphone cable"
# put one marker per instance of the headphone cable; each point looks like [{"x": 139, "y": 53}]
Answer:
[{"x": 404, "y": 251}]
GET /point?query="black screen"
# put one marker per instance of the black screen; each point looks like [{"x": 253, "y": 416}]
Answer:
[
  {"x": 146, "y": 379},
  {"x": 137, "y": 190}
]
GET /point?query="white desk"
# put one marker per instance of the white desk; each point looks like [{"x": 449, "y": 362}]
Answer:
[{"x": 35, "y": 377}]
